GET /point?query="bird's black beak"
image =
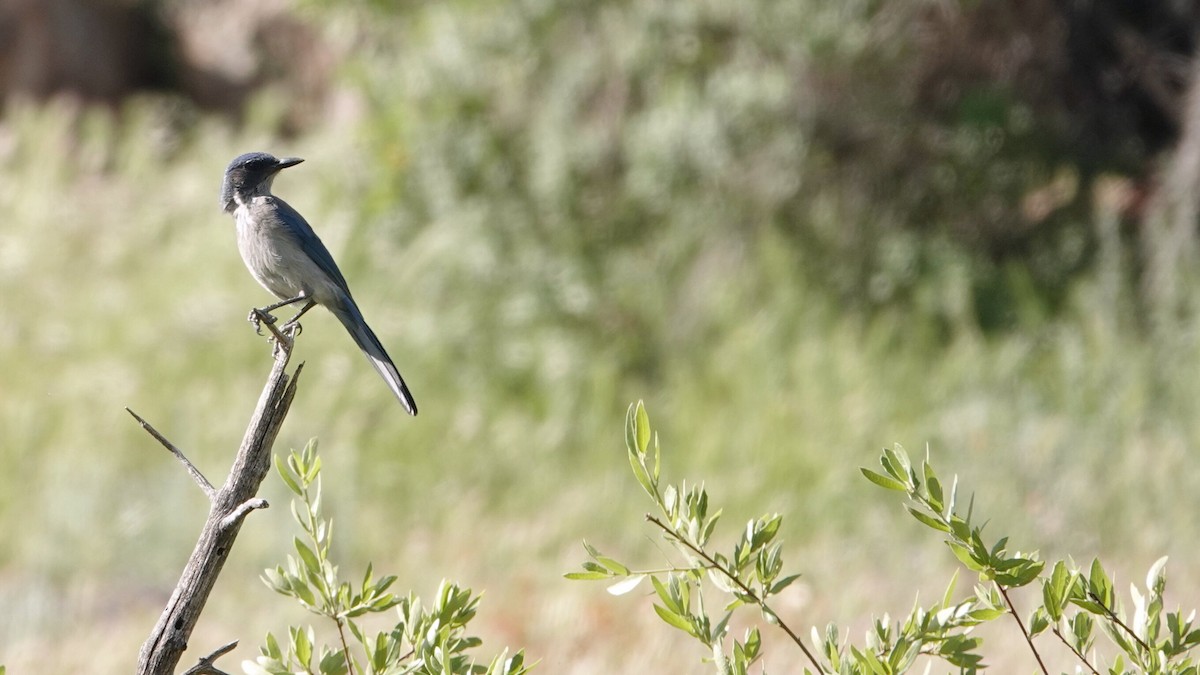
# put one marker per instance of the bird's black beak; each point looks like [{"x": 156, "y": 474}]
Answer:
[{"x": 285, "y": 162}]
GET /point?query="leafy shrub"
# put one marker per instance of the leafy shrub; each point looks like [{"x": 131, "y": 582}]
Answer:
[
  {"x": 424, "y": 640},
  {"x": 1074, "y": 602}
]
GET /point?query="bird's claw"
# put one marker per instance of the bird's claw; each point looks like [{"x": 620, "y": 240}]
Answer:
[
  {"x": 291, "y": 329},
  {"x": 258, "y": 317}
]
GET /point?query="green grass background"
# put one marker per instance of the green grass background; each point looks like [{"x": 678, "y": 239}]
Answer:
[{"x": 529, "y": 286}]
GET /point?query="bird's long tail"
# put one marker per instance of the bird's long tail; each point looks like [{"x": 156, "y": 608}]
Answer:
[{"x": 348, "y": 313}]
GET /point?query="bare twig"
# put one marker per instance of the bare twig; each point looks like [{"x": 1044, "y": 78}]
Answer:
[
  {"x": 1079, "y": 655},
  {"x": 230, "y": 504},
  {"x": 345, "y": 646},
  {"x": 209, "y": 490},
  {"x": 242, "y": 510},
  {"x": 206, "y": 665},
  {"x": 1020, "y": 624},
  {"x": 1112, "y": 616}
]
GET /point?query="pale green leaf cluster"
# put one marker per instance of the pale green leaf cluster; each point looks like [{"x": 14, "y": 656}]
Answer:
[
  {"x": 939, "y": 630},
  {"x": 748, "y": 574},
  {"x": 1074, "y": 603},
  {"x": 934, "y": 508},
  {"x": 425, "y": 640}
]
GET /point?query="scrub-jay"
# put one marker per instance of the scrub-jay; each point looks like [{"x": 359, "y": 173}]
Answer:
[{"x": 286, "y": 257}]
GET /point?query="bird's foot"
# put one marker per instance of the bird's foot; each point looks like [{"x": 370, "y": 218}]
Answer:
[
  {"x": 291, "y": 329},
  {"x": 258, "y": 317}
]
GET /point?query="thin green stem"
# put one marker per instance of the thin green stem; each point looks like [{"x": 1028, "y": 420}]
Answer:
[{"x": 741, "y": 585}]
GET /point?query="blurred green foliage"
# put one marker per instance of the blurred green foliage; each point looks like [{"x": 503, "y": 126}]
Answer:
[{"x": 616, "y": 133}]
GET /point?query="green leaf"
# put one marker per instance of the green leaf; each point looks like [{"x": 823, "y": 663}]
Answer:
[
  {"x": 928, "y": 520},
  {"x": 385, "y": 583},
  {"x": 1100, "y": 586},
  {"x": 1021, "y": 575},
  {"x": 304, "y": 592},
  {"x": 1081, "y": 629},
  {"x": 302, "y": 645},
  {"x": 883, "y": 481},
  {"x": 987, "y": 613},
  {"x": 1156, "y": 578},
  {"x": 948, "y": 596},
  {"x": 631, "y": 428},
  {"x": 613, "y": 565},
  {"x": 657, "y": 459},
  {"x": 783, "y": 583},
  {"x": 314, "y": 470},
  {"x": 933, "y": 488},
  {"x": 670, "y": 503},
  {"x": 385, "y": 601},
  {"x": 999, "y": 547},
  {"x": 287, "y": 477},
  {"x": 708, "y": 527},
  {"x": 311, "y": 563},
  {"x": 272, "y": 648},
  {"x": 750, "y": 647},
  {"x": 639, "y": 472},
  {"x": 1039, "y": 621},
  {"x": 642, "y": 422},
  {"x": 675, "y": 619},
  {"x": 958, "y": 650},
  {"x": 1054, "y": 591},
  {"x": 964, "y": 556},
  {"x": 276, "y": 581},
  {"x": 899, "y": 459},
  {"x": 368, "y": 576},
  {"x": 333, "y": 663},
  {"x": 1088, "y": 605},
  {"x": 960, "y": 528},
  {"x": 587, "y": 576},
  {"x": 666, "y": 595}
]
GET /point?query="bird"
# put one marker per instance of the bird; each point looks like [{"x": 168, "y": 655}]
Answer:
[{"x": 287, "y": 258}]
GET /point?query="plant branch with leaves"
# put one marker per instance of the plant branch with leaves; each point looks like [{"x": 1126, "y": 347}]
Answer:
[
  {"x": 1073, "y": 603},
  {"x": 423, "y": 641}
]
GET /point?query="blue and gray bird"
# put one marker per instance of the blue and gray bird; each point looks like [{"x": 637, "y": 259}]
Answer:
[{"x": 288, "y": 259}]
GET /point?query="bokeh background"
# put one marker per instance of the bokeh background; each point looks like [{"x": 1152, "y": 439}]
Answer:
[{"x": 800, "y": 230}]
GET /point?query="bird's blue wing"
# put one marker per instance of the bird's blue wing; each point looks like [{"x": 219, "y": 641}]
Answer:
[{"x": 310, "y": 243}]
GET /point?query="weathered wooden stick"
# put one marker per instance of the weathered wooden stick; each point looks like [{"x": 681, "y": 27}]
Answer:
[{"x": 229, "y": 505}]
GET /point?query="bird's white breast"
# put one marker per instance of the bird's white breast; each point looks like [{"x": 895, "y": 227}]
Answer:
[{"x": 274, "y": 257}]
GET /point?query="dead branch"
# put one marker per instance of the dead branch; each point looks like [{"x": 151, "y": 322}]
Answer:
[
  {"x": 207, "y": 665},
  {"x": 229, "y": 506}
]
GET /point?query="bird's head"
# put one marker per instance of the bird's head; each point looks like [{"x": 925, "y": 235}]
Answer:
[{"x": 249, "y": 175}]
